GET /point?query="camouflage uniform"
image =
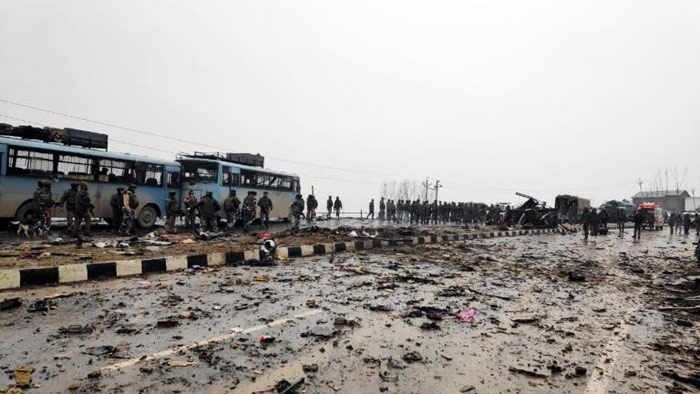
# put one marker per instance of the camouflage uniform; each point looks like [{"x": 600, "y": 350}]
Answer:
[
  {"x": 248, "y": 210},
  {"x": 43, "y": 201},
  {"x": 231, "y": 206},
  {"x": 83, "y": 208},
  {"x": 117, "y": 203},
  {"x": 190, "y": 211},
  {"x": 297, "y": 210},
  {"x": 265, "y": 205},
  {"x": 208, "y": 207},
  {"x": 172, "y": 208},
  {"x": 68, "y": 200},
  {"x": 129, "y": 205}
]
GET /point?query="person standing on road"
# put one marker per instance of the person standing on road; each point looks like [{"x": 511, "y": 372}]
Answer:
[
  {"x": 671, "y": 222},
  {"x": 249, "y": 210},
  {"x": 83, "y": 210},
  {"x": 686, "y": 224},
  {"x": 208, "y": 208},
  {"x": 129, "y": 205},
  {"x": 603, "y": 218},
  {"x": 311, "y": 205},
  {"x": 297, "y": 209},
  {"x": 595, "y": 222},
  {"x": 638, "y": 222},
  {"x": 117, "y": 204},
  {"x": 68, "y": 200},
  {"x": 172, "y": 208},
  {"x": 586, "y": 221},
  {"x": 231, "y": 206},
  {"x": 43, "y": 201},
  {"x": 190, "y": 210},
  {"x": 621, "y": 220},
  {"x": 265, "y": 205},
  {"x": 382, "y": 209},
  {"x": 337, "y": 205},
  {"x": 329, "y": 207},
  {"x": 697, "y": 224},
  {"x": 371, "y": 209}
]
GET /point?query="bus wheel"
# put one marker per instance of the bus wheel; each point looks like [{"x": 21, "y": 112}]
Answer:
[
  {"x": 147, "y": 217},
  {"x": 26, "y": 213}
]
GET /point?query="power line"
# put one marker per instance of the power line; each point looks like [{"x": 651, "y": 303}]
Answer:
[
  {"x": 153, "y": 134},
  {"x": 173, "y": 152}
]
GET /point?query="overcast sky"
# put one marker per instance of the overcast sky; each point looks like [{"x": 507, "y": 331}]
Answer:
[{"x": 490, "y": 97}]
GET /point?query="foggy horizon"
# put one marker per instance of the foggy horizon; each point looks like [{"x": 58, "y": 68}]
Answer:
[{"x": 543, "y": 98}]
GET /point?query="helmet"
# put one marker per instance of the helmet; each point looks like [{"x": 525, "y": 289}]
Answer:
[
  {"x": 83, "y": 186},
  {"x": 46, "y": 182},
  {"x": 74, "y": 185}
]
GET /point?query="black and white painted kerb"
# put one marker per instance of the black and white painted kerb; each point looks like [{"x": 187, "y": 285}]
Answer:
[{"x": 16, "y": 278}]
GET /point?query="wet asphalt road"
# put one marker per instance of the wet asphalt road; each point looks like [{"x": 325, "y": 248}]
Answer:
[{"x": 533, "y": 326}]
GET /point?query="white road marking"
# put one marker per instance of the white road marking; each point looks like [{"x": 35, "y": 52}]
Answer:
[
  {"x": 170, "y": 352},
  {"x": 598, "y": 383}
]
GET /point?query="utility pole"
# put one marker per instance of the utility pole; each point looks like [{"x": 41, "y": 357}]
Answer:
[
  {"x": 640, "y": 182},
  {"x": 437, "y": 187},
  {"x": 426, "y": 184}
]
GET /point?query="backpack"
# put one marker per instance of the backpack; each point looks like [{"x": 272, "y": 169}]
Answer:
[{"x": 133, "y": 201}]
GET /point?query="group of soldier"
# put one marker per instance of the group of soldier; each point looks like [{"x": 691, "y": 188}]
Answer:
[
  {"x": 208, "y": 207},
  {"x": 676, "y": 221},
  {"x": 79, "y": 208},
  {"x": 437, "y": 212}
]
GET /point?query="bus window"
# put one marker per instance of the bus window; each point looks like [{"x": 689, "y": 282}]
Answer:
[
  {"x": 116, "y": 171},
  {"x": 249, "y": 179},
  {"x": 173, "y": 179},
  {"x": 193, "y": 172},
  {"x": 76, "y": 168},
  {"x": 29, "y": 163},
  {"x": 226, "y": 178},
  {"x": 149, "y": 174}
]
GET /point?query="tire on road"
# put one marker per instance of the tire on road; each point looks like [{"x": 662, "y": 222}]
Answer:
[
  {"x": 147, "y": 217},
  {"x": 26, "y": 213}
]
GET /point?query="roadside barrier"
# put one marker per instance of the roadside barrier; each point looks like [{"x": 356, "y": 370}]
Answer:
[{"x": 27, "y": 277}]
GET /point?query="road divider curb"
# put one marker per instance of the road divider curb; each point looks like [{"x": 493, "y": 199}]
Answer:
[{"x": 28, "y": 277}]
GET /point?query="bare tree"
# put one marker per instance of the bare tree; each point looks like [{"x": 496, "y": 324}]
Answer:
[
  {"x": 406, "y": 189},
  {"x": 679, "y": 178}
]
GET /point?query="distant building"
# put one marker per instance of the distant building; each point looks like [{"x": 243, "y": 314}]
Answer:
[
  {"x": 692, "y": 204},
  {"x": 673, "y": 201}
]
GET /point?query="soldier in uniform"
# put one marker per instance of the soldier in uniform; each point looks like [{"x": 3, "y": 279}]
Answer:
[
  {"x": 208, "y": 207},
  {"x": 329, "y": 207},
  {"x": 297, "y": 209},
  {"x": 697, "y": 225},
  {"x": 621, "y": 220},
  {"x": 190, "y": 210},
  {"x": 638, "y": 222},
  {"x": 68, "y": 200},
  {"x": 83, "y": 211},
  {"x": 265, "y": 205},
  {"x": 129, "y": 204},
  {"x": 371, "y": 209},
  {"x": 117, "y": 203},
  {"x": 43, "y": 201},
  {"x": 231, "y": 206},
  {"x": 586, "y": 221},
  {"x": 172, "y": 208},
  {"x": 382, "y": 209},
  {"x": 249, "y": 210},
  {"x": 337, "y": 206},
  {"x": 311, "y": 205}
]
